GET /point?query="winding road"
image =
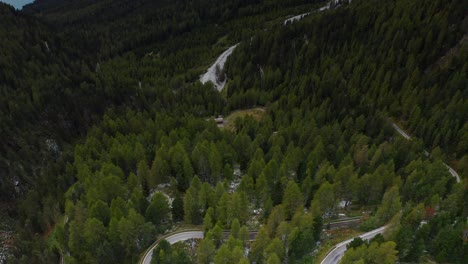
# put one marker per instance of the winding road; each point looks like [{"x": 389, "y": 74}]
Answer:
[
  {"x": 335, "y": 255},
  {"x": 198, "y": 234},
  {"x": 338, "y": 251},
  {"x": 172, "y": 239}
]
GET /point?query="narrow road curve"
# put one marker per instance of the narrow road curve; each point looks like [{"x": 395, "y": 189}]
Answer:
[
  {"x": 335, "y": 255},
  {"x": 172, "y": 239}
]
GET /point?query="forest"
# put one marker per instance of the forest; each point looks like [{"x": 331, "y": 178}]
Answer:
[{"x": 109, "y": 140}]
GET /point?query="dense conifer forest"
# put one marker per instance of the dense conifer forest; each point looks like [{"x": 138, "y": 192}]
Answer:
[{"x": 109, "y": 139}]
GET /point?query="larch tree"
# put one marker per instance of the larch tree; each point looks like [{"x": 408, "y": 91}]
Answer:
[
  {"x": 391, "y": 204},
  {"x": 158, "y": 212},
  {"x": 324, "y": 201},
  {"x": 292, "y": 199},
  {"x": 259, "y": 245},
  {"x": 206, "y": 251}
]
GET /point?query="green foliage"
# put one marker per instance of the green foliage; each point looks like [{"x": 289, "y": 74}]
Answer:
[
  {"x": 177, "y": 209},
  {"x": 208, "y": 220},
  {"x": 99, "y": 210},
  {"x": 228, "y": 255},
  {"x": 259, "y": 246},
  {"x": 235, "y": 228},
  {"x": 192, "y": 208},
  {"x": 292, "y": 199},
  {"x": 217, "y": 234},
  {"x": 158, "y": 212},
  {"x": 391, "y": 204},
  {"x": 324, "y": 202},
  {"x": 122, "y": 101},
  {"x": 374, "y": 253},
  {"x": 206, "y": 251},
  {"x": 355, "y": 243},
  {"x": 164, "y": 253}
]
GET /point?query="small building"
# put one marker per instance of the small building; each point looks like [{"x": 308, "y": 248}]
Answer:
[{"x": 219, "y": 120}]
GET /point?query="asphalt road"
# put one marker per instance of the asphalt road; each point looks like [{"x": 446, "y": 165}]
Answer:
[
  {"x": 338, "y": 251},
  {"x": 185, "y": 235},
  {"x": 172, "y": 239}
]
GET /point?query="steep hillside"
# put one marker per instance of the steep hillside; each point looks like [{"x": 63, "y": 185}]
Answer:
[
  {"x": 383, "y": 62},
  {"x": 41, "y": 104},
  {"x": 112, "y": 27},
  {"x": 104, "y": 99}
]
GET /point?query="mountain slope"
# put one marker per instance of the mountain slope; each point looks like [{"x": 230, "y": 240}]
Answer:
[
  {"x": 40, "y": 100},
  {"x": 112, "y": 27},
  {"x": 126, "y": 74},
  {"x": 376, "y": 63}
]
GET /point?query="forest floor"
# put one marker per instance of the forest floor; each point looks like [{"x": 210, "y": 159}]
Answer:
[{"x": 257, "y": 113}]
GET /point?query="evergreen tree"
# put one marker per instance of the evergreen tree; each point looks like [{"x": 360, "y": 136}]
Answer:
[
  {"x": 158, "y": 212},
  {"x": 292, "y": 199}
]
